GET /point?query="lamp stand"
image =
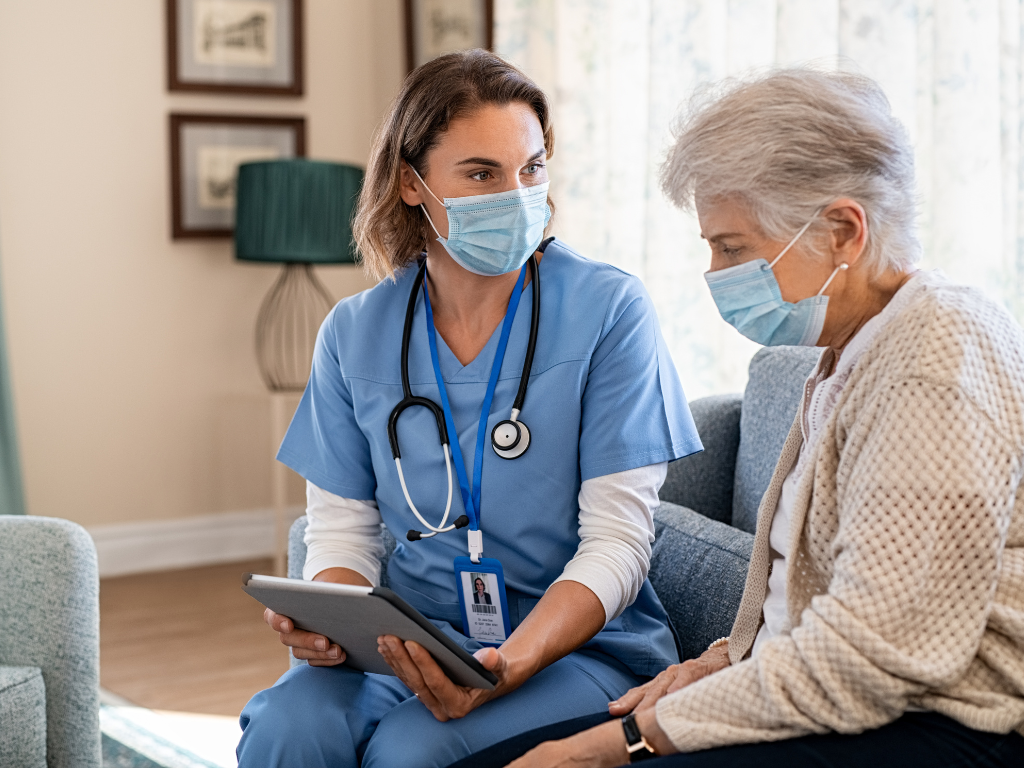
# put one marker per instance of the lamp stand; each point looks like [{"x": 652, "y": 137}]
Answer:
[
  {"x": 280, "y": 415},
  {"x": 286, "y": 328}
]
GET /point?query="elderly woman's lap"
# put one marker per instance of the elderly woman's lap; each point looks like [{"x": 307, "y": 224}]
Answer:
[{"x": 919, "y": 739}]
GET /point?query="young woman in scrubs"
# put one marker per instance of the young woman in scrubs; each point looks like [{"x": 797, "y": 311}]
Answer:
[{"x": 570, "y": 520}]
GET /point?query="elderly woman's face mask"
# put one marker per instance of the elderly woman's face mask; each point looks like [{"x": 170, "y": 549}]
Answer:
[{"x": 750, "y": 300}]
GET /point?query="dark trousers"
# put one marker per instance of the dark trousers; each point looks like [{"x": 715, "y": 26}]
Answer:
[{"x": 916, "y": 740}]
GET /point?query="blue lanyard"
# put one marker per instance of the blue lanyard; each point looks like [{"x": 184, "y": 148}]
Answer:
[{"x": 471, "y": 499}]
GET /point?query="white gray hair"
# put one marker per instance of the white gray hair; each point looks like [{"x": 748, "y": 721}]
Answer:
[{"x": 790, "y": 143}]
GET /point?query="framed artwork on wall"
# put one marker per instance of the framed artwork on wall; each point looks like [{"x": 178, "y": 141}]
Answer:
[
  {"x": 436, "y": 27},
  {"x": 235, "y": 46},
  {"x": 206, "y": 151}
]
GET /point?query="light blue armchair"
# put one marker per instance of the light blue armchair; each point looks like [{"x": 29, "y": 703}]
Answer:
[
  {"x": 49, "y": 645},
  {"x": 709, "y": 504}
]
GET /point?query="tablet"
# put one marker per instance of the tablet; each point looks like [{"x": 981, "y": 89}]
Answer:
[{"x": 354, "y": 617}]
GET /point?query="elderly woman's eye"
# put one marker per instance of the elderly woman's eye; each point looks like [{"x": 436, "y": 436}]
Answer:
[{"x": 731, "y": 250}]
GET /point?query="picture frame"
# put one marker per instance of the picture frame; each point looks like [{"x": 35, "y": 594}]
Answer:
[
  {"x": 206, "y": 151},
  {"x": 252, "y": 47},
  {"x": 437, "y": 27}
]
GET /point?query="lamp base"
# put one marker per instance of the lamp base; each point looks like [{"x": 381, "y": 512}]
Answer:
[{"x": 286, "y": 328}]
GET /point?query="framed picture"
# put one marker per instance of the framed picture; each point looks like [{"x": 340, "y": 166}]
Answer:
[
  {"x": 206, "y": 151},
  {"x": 235, "y": 46},
  {"x": 436, "y": 27}
]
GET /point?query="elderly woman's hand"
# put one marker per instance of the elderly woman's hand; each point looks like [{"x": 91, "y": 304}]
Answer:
[
  {"x": 603, "y": 746},
  {"x": 672, "y": 679}
]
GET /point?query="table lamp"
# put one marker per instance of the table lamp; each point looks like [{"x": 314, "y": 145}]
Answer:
[{"x": 299, "y": 213}]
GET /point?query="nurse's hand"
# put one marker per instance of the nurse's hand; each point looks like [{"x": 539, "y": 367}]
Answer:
[
  {"x": 415, "y": 667},
  {"x": 309, "y": 646}
]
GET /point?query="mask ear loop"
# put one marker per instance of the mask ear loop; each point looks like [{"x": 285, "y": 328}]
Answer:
[
  {"x": 422, "y": 206},
  {"x": 841, "y": 268},
  {"x": 784, "y": 250}
]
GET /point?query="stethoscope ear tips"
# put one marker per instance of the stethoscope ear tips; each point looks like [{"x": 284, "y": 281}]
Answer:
[
  {"x": 414, "y": 535},
  {"x": 462, "y": 522}
]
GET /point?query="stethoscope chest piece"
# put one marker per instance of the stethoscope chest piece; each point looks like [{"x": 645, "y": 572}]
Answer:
[{"x": 510, "y": 439}]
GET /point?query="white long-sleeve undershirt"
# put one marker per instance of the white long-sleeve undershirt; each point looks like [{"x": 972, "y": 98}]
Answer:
[{"x": 612, "y": 560}]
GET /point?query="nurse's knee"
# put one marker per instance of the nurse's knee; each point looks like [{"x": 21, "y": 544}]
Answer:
[
  {"x": 292, "y": 724},
  {"x": 410, "y": 737}
]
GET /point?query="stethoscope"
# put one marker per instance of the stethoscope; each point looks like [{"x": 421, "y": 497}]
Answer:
[{"x": 509, "y": 438}]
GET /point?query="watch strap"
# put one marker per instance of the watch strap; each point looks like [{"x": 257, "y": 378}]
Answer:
[{"x": 636, "y": 744}]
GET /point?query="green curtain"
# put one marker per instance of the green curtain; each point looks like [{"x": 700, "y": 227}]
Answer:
[{"x": 12, "y": 499}]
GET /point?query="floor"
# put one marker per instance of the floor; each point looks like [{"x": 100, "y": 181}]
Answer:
[{"x": 189, "y": 640}]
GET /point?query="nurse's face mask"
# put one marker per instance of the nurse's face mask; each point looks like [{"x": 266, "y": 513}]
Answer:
[
  {"x": 750, "y": 300},
  {"x": 493, "y": 234}
]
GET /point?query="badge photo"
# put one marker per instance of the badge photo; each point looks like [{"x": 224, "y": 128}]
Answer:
[{"x": 482, "y": 600}]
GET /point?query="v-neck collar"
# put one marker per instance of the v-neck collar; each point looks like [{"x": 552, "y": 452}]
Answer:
[{"x": 478, "y": 369}]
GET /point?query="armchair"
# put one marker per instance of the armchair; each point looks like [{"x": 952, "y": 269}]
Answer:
[{"x": 49, "y": 644}]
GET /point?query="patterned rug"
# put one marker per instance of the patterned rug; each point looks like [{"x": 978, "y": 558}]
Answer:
[{"x": 135, "y": 737}]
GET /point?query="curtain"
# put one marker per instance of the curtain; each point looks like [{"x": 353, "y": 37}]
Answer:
[
  {"x": 618, "y": 72},
  {"x": 11, "y": 496}
]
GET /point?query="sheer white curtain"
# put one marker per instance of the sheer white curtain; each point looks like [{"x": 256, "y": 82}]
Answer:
[{"x": 619, "y": 71}]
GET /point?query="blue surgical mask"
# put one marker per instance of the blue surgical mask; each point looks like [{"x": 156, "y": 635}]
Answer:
[
  {"x": 493, "y": 234},
  {"x": 750, "y": 300}
]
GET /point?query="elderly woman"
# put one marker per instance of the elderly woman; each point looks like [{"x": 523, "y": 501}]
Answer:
[{"x": 882, "y": 621}]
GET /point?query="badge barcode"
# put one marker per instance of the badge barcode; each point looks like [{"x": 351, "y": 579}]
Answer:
[{"x": 484, "y": 608}]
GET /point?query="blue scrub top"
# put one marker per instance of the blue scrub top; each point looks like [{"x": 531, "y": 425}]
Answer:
[{"x": 603, "y": 397}]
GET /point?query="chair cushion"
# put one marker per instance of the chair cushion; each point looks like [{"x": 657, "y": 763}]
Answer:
[
  {"x": 770, "y": 402},
  {"x": 22, "y": 717},
  {"x": 698, "y": 570},
  {"x": 704, "y": 481}
]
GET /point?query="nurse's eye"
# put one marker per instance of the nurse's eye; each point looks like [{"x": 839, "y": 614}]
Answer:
[
  {"x": 481, "y": 176},
  {"x": 533, "y": 168}
]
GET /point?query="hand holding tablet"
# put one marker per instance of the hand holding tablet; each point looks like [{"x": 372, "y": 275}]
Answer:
[{"x": 353, "y": 617}]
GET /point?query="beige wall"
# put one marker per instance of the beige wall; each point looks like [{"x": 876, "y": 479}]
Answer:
[{"x": 136, "y": 388}]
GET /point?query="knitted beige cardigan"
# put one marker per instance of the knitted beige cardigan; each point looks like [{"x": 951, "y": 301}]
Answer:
[{"x": 905, "y": 586}]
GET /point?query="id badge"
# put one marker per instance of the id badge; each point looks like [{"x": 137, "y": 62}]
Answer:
[{"x": 482, "y": 598}]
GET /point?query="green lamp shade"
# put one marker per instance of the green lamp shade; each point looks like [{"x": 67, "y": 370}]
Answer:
[{"x": 296, "y": 211}]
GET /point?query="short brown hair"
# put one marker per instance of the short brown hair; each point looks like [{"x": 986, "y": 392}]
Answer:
[{"x": 390, "y": 234}]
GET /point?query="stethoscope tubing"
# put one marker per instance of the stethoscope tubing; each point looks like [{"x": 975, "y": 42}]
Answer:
[{"x": 409, "y": 400}]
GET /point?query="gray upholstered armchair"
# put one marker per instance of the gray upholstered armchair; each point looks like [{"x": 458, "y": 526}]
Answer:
[
  {"x": 49, "y": 644},
  {"x": 709, "y": 505}
]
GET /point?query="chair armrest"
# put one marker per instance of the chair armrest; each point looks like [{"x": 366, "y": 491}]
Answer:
[
  {"x": 698, "y": 570},
  {"x": 49, "y": 602},
  {"x": 704, "y": 482}
]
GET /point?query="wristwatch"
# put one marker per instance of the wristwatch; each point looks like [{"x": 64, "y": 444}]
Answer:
[{"x": 636, "y": 744}]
